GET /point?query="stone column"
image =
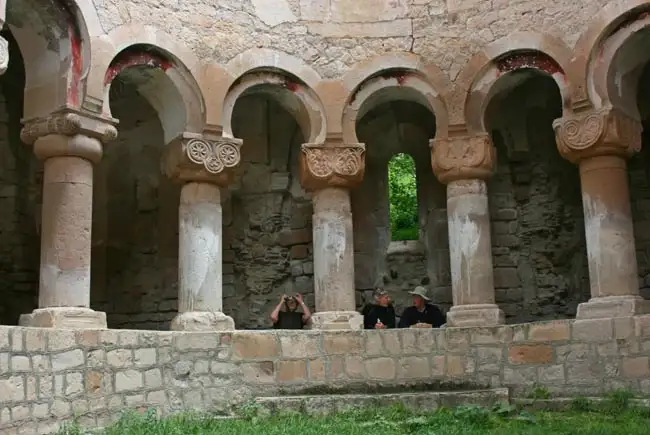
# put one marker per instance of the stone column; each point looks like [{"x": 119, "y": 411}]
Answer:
[
  {"x": 600, "y": 141},
  {"x": 464, "y": 164},
  {"x": 203, "y": 164},
  {"x": 70, "y": 143},
  {"x": 330, "y": 171}
]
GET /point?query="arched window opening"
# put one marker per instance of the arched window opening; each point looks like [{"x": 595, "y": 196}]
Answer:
[{"x": 403, "y": 198}]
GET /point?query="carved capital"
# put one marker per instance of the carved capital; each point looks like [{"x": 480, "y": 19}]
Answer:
[
  {"x": 69, "y": 122},
  {"x": 195, "y": 157},
  {"x": 4, "y": 55},
  {"x": 340, "y": 165},
  {"x": 599, "y": 132},
  {"x": 463, "y": 158}
]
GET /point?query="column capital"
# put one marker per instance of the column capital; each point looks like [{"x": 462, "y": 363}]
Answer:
[
  {"x": 597, "y": 132},
  {"x": 69, "y": 122},
  {"x": 463, "y": 158},
  {"x": 332, "y": 165},
  {"x": 206, "y": 158}
]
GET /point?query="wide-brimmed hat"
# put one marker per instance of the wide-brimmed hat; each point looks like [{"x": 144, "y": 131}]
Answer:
[{"x": 420, "y": 291}]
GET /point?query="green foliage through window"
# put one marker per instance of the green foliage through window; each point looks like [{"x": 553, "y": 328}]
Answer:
[{"x": 403, "y": 198}]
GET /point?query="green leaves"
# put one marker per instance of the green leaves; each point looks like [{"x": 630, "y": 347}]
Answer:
[{"x": 403, "y": 197}]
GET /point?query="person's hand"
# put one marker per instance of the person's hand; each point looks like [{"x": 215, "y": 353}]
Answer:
[
  {"x": 283, "y": 298},
  {"x": 299, "y": 298},
  {"x": 380, "y": 325},
  {"x": 426, "y": 325}
]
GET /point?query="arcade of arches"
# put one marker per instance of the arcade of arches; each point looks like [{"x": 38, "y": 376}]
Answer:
[{"x": 143, "y": 189}]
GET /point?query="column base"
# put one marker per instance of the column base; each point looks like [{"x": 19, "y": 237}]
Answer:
[
  {"x": 337, "y": 320},
  {"x": 202, "y": 321},
  {"x": 64, "y": 318},
  {"x": 613, "y": 306},
  {"x": 466, "y": 316}
]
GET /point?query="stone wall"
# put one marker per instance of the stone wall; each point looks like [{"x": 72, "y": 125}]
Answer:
[{"x": 49, "y": 376}]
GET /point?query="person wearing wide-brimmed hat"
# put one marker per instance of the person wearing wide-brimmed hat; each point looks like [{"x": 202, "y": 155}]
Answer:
[{"x": 423, "y": 314}]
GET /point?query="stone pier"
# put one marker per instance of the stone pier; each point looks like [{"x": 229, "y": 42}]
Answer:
[
  {"x": 600, "y": 141},
  {"x": 69, "y": 143},
  {"x": 203, "y": 165},
  {"x": 463, "y": 164},
  {"x": 330, "y": 171}
]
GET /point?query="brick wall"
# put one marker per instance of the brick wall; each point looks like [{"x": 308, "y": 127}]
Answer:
[{"x": 48, "y": 376}]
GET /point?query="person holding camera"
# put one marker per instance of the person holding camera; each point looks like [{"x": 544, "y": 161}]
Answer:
[
  {"x": 381, "y": 314},
  {"x": 286, "y": 314}
]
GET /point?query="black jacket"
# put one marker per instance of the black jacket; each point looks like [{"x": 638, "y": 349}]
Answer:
[
  {"x": 371, "y": 313},
  {"x": 431, "y": 315}
]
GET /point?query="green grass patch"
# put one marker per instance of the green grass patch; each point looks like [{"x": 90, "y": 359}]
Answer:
[{"x": 466, "y": 420}]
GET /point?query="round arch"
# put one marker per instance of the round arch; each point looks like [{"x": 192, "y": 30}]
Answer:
[
  {"x": 610, "y": 19},
  {"x": 612, "y": 77},
  {"x": 478, "y": 82},
  {"x": 163, "y": 71},
  {"x": 401, "y": 76},
  {"x": 293, "y": 94},
  {"x": 54, "y": 41}
]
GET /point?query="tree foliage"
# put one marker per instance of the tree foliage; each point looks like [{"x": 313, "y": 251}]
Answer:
[{"x": 403, "y": 197}]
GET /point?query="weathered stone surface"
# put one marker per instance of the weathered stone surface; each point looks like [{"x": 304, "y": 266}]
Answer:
[{"x": 537, "y": 354}]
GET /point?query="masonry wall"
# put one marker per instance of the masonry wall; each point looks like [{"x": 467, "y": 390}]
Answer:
[{"x": 49, "y": 376}]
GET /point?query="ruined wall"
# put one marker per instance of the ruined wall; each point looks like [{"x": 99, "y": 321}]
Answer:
[
  {"x": 20, "y": 199},
  {"x": 538, "y": 238},
  {"x": 49, "y": 376},
  {"x": 332, "y": 36}
]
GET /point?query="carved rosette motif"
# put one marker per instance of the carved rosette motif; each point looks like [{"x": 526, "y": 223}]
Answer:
[
  {"x": 600, "y": 132},
  {"x": 69, "y": 123},
  {"x": 463, "y": 158},
  {"x": 324, "y": 165},
  {"x": 197, "y": 158}
]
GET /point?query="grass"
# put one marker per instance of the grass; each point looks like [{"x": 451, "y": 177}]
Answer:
[{"x": 466, "y": 420}]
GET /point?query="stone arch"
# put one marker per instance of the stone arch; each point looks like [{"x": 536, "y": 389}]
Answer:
[
  {"x": 53, "y": 38},
  {"x": 520, "y": 51},
  {"x": 290, "y": 91},
  {"x": 394, "y": 77},
  {"x": 586, "y": 49},
  {"x": 163, "y": 71},
  {"x": 616, "y": 61}
]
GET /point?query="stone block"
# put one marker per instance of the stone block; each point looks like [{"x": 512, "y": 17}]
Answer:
[
  {"x": 380, "y": 368},
  {"x": 64, "y": 318},
  {"x": 552, "y": 331},
  {"x": 262, "y": 372},
  {"x": 638, "y": 367},
  {"x": 491, "y": 335},
  {"x": 292, "y": 371},
  {"x": 299, "y": 252},
  {"x": 413, "y": 367},
  {"x": 533, "y": 354},
  {"x": 34, "y": 340},
  {"x": 551, "y": 374},
  {"x": 354, "y": 367},
  {"x": 203, "y": 320},
  {"x": 12, "y": 389},
  {"x": 623, "y": 328},
  {"x": 300, "y": 345},
  {"x": 153, "y": 378},
  {"x": 119, "y": 358},
  {"x": 94, "y": 382},
  {"x": 317, "y": 370},
  {"x": 67, "y": 360},
  {"x": 342, "y": 343},
  {"x": 60, "y": 339},
  {"x": 128, "y": 380},
  {"x": 197, "y": 341},
  {"x": 144, "y": 357},
  {"x": 455, "y": 366},
  {"x": 295, "y": 237},
  {"x": 587, "y": 372},
  {"x": 4, "y": 338},
  {"x": 374, "y": 343},
  {"x": 593, "y": 330},
  {"x": 254, "y": 345},
  {"x": 20, "y": 363}
]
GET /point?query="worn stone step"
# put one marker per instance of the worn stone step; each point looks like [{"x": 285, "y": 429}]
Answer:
[{"x": 427, "y": 400}]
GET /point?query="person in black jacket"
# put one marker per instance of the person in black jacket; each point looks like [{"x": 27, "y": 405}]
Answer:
[
  {"x": 381, "y": 314},
  {"x": 422, "y": 314}
]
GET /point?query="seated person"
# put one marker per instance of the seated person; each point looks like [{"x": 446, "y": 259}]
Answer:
[
  {"x": 287, "y": 316},
  {"x": 381, "y": 314},
  {"x": 422, "y": 314}
]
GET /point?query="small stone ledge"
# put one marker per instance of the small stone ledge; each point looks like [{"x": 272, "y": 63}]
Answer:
[
  {"x": 558, "y": 404},
  {"x": 412, "y": 247}
]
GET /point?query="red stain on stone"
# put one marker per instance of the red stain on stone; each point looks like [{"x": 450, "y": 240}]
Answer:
[
  {"x": 291, "y": 85},
  {"x": 77, "y": 65},
  {"x": 400, "y": 76},
  {"x": 526, "y": 60},
  {"x": 128, "y": 60}
]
